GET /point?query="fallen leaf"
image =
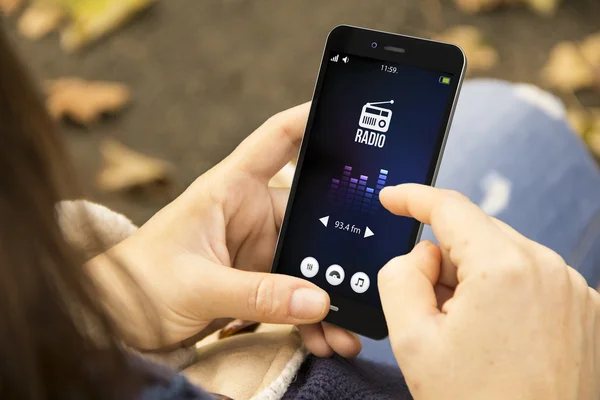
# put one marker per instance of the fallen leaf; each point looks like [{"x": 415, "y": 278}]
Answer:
[
  {"x": 567, "y": 69},
  {"x": 579, "y": 119},
  {"x": 587, "y": 124},
  {"x": 590, "y": 49},
  {"x": 237, "y": 327},
  {"x": 545, "y": 7},
  {"x": 92, "y": 19},
  {"x": 83, "y": 101},
  {"x": 595, "y": 124},
  {"x": 125, "y": 169},
  {"x": 39, "y": 19},
  {"x": 476, "y": 6},
  {"x": 593, "y": 142},
  {"x": 480, "y": 56},
  {"x": 7, "y": 7}
]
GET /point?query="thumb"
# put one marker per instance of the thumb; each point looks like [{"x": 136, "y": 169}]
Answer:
[
  {"x": 264, "y": 297},
  {"x": 406, "y": 288}
]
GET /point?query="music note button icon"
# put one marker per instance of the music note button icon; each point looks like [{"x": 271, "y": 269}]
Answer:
[{"x": 360, "y": 282}]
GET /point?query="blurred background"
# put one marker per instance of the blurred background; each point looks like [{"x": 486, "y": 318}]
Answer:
[{"x": 150, "y": 94}]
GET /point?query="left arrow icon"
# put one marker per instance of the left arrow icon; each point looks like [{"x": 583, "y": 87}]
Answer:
[{"x": 324, "y": 220}]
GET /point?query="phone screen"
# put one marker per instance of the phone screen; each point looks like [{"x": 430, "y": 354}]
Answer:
[{"x": 376, "y": 124}]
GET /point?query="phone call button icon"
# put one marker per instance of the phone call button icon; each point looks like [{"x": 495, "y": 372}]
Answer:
[
  {"x": 360, "y": 282},
  {"x": 309, "y": 267}
]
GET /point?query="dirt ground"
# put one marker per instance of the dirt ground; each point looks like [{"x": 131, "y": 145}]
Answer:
[{"x": 205, "y": 73}]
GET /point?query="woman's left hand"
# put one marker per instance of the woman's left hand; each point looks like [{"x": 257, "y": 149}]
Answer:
[{"x": 207, "y": 255}]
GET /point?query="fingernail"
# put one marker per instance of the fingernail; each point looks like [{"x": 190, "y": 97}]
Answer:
[{"x": 308, "y": 304}]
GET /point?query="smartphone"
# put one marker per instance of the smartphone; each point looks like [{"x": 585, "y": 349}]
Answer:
[{"x": 380, "y": 116}]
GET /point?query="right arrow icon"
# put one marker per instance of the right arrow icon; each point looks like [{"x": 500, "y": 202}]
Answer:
[{"x": 368, "y": 232}]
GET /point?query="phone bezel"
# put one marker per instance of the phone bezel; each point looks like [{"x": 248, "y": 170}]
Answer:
[{"x": 446, "y": 58}]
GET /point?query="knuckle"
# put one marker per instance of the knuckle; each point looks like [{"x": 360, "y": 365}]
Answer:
[
  {"x": 516, "y": 264},
  {"x": 550, "y": 264},
  {"x": 578, "y": 283},
  {"x": 498, "y": 221},
  {"x": 451, "y": 204},
  {"x": 428, "y": 245},
  {"x": 549, "y": 258},
  {"x": 444, "y": 212},
  {"x": 280, "y": 123},
  {"x": 261, "y": 300},
  {"x": 274, "y": 119},
  {"x": 506, "y": 228},
  {"x": 594, "y": 299},
  {"x": 390, "y": 272},
  {"x": 454, "y": 195}
]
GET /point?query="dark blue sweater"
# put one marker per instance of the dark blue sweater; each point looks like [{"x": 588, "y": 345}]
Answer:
[
  {"x": 342, "y": 379},
  {"x": 326, "y": 379}
]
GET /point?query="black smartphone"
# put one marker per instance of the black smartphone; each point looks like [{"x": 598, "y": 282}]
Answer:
[{"x": 380, "y": 116}]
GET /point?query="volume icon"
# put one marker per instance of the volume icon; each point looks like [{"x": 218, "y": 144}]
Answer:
[{"x": 336, "y": 58}]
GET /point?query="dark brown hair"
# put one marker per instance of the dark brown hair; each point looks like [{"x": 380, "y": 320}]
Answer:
[{"x": 47, "y": 302}]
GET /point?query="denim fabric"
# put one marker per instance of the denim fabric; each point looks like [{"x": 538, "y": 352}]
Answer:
[{"x": 511, "y": 151}]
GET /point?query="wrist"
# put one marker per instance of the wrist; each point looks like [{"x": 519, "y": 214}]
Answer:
[{"x": 124, "y": 301}]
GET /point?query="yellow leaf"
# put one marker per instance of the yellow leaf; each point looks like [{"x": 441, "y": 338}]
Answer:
[
  {"x": 39, "y": 19},
  {"x": 92, "y": 19},
  {"x": 476, "y": 6},
  {"x": 84, "y": 102},
  {"x": 593, "y": 142},
  {"x": 595, "y": 125},
  {"x": 544, "y": 7},
  {"x": 7, "y": 7},
  {"x": 126, "y": 169},
  {"x": 590, "y": 49},
  {"x": 480, "y": 56},
  {"x": 567, "y": 70},
  {"x": 579, "y": 120},
  {"x": 590, "y": 122}
]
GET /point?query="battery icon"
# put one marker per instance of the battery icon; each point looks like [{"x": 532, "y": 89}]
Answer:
[{"x": 445, "y": 80}]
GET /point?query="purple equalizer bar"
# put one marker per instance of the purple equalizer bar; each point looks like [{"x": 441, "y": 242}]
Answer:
[{"x": 354, "y": 194}]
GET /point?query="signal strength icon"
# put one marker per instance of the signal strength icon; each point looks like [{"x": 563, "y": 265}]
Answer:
[{"x": 336, "y": 58}]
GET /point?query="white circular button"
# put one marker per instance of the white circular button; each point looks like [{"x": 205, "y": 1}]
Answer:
[
  {"x": 360, "y": 282},
  {"x": 335, "y": 275},
  {"x": 309, "y": 267}
]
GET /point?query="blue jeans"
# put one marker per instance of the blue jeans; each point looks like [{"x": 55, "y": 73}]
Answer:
[{"x": 511, "y": 151}]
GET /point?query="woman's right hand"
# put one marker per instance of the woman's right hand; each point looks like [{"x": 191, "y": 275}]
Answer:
[{"x": 489, "y": 314}]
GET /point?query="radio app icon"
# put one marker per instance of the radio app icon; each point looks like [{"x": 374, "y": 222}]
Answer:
[{"x": 376, "y": 118}]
